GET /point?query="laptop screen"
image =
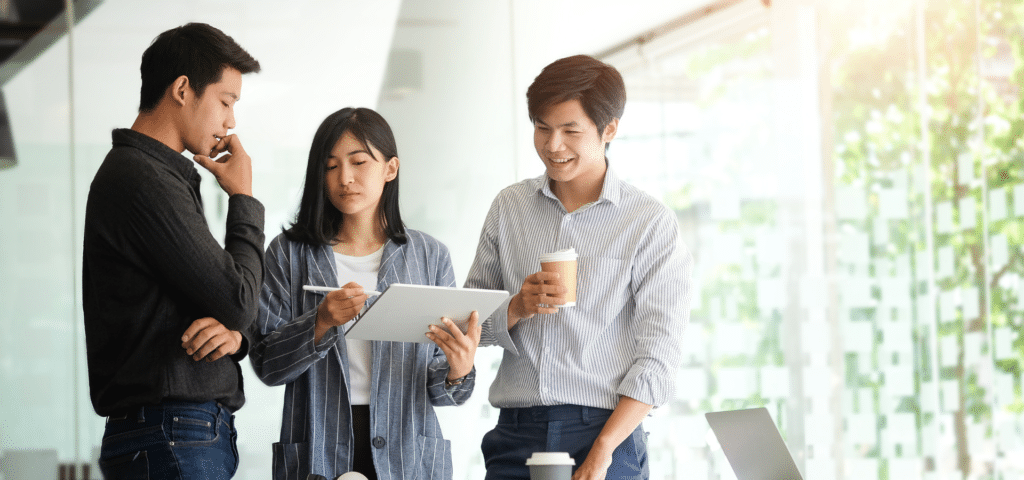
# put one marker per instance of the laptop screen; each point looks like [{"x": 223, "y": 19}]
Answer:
[{"x": 753, "y": 445}]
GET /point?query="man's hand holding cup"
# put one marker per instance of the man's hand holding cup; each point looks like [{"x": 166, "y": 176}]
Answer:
[{"x": 548, "y": 290}]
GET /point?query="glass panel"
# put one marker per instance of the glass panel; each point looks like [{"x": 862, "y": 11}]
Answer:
[
  {"x": 41, "y": 332},
  {"x": 889, "y": 412},
  {"x": 45, "y": 403},
  {"x": 998, "y": 194},
  {"x": 883, "y": 331},
  {"x": 847, "y": 175},
  {"x": 706, "y": 132}
]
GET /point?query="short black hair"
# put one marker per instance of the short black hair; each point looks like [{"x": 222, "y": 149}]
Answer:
[
  {"x": 597, "y": 85},
  {"x": 318, "y": 222},
  {"x": 195, "y": 50}
]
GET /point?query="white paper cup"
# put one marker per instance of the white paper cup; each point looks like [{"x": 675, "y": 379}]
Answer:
[
  {"x": 351, "y": 476},
  {"x": 564, "y": 263},
  {"x": 550, "y": 466}
]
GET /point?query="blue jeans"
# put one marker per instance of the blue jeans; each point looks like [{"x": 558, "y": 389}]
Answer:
[
  {"x": 558, "y": 428},
  {"x": 173, "y": 440}
]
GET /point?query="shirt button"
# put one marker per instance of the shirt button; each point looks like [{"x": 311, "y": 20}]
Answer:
[{"x": 378, "y": 442}]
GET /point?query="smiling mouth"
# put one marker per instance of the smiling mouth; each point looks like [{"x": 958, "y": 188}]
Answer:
[{"x": 559, "y": 160}]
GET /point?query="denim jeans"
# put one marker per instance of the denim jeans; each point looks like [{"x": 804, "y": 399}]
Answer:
[
  {"x": 173, "y": 440},
  {"x": 558, "y": 428}
]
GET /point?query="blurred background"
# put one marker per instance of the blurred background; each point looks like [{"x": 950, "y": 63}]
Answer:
[{"x": 848, "y": 175}]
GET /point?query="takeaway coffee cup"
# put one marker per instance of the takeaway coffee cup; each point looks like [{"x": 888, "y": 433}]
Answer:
[
  {"x": 562, "y": 262},
  {"x": 550, "y": 466}
]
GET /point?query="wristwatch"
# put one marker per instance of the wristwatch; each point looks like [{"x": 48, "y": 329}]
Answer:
[{"x": 452, "y": 383}]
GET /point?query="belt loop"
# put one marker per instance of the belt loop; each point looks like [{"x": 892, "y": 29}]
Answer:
[
  {"x": 515, "y": 417},
  {"x": 140, "y": 415},
  {"x": 586, "y": 415}
]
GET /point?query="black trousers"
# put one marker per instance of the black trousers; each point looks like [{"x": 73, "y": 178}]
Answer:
[{"x": 362, "y": 462}]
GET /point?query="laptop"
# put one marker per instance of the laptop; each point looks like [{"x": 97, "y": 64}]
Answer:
[{"x": 753, "y": 445}]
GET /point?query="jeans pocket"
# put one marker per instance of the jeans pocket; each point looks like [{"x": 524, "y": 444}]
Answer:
[
  {"x": 234, "y": 444},
  {"x": 132, "y": 466},
  {"x": 194, "y": 427},
  {"x": 490, "y": 444},
  {"x": 129, "y": 438}
]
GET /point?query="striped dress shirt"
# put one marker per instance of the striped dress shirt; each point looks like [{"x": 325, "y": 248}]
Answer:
[
  {"x": 624, "y": 335},
  {"x": 407, "y": 379}
]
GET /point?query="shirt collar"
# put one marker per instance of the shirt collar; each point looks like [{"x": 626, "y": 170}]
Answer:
[
  {"x": 610, "y": 189},
  {"x": 154, "y": 148}
]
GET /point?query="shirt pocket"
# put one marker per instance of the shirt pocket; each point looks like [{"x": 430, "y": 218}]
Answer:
[{"x": 602, "y": 287}]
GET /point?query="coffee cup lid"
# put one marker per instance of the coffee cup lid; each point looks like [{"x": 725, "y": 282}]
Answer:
[
  {"x": 550, "y": 458},
  {"x": 351, "y": 476},
  {"x": 559, "y": 256}
]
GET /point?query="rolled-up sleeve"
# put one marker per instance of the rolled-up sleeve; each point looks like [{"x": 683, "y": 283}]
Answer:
[{"x": 662, "y": 287}]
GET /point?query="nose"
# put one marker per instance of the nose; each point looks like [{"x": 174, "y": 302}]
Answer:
[
  {"x": 347, "y": 176},
  {"x": 554, "y": 141},
  {"x": 229, "y": 122}
]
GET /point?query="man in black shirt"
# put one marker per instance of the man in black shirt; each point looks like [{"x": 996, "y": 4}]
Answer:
[{"x": 164, "y": 303}]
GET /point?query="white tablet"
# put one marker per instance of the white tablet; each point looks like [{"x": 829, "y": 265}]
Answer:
[{"x": 403, "y": 312}]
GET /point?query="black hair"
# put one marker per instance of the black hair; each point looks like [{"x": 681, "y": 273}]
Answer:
[
  {"x": 195, "y": 50},
  {"x": 597, "y": 85},
  {"x": 317, "y": 221}
]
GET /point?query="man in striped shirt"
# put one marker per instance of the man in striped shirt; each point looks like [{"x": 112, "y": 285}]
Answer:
[{"x": 580, "y": 379}]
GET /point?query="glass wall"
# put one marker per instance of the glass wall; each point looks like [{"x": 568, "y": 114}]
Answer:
[
  {"x": 40, "y": 334},
  {"x": 848, "y": 174},
  {"x": 62, "y": 103}
]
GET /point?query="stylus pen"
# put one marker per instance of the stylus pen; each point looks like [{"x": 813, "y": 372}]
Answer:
[{"x": 312, "y": 288}]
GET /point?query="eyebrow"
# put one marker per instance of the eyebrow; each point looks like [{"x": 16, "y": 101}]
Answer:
[
  {"x": 354, "y": 152},
  {"x": 569, "y": 124}
]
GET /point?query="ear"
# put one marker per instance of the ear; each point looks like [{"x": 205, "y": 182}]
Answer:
[
  {"x": 610, "y": 130},
  {"x": 180, "y": 90},
  {"x": 391, "y": 169}
]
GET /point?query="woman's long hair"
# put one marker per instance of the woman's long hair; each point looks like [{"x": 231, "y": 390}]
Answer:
[{"x": 317, "y": 221}]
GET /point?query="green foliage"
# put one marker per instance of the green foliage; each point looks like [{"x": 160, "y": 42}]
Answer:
[{"x": 972, "y": 125}]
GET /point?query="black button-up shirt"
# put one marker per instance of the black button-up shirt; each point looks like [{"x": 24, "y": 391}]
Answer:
[{"x": 151, "y": 267}]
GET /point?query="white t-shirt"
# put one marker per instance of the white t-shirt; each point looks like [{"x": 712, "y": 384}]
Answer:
[{"x": 362, "y": 270}]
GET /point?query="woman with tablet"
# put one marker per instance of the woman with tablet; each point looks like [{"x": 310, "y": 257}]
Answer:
[{"x": 353, "y": 405}]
